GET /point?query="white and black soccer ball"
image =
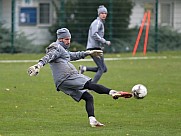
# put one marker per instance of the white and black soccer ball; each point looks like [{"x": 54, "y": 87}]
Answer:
[{"x": 139, "y": 91}]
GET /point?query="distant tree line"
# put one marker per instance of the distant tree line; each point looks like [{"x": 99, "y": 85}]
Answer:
[{"x": 77, "y": 16}]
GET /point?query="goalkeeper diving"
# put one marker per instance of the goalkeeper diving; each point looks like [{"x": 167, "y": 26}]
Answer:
[{"x": 66, "y": 77}]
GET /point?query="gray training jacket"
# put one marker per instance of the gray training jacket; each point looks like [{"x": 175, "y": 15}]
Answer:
[
  {"x": 59, "y": 60},
  {"x": 96, "y": 34}
]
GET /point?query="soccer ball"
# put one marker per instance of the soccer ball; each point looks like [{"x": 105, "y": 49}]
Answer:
[{"x": 139, "y": 91}]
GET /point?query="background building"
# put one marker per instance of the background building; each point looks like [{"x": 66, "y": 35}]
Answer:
[{"x": 35, "y": 17}]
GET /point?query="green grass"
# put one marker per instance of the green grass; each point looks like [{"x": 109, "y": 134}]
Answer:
[{"x": 32, "y": 107}]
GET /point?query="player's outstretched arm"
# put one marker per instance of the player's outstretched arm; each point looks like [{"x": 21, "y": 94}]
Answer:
[
  {"x": 82, "y": 54},
  {"x": 95, "y": 53}
]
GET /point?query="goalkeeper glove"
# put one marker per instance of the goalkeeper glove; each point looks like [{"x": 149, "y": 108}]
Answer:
[
  {"x": 95, "y": 53},
  {"x": 34, "y": 70},
  {"x": 108, "y": 43}
]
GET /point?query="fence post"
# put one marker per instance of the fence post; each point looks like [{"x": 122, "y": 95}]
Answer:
[
  {"x": 62, "y": 13},
  {"x": 156, "y": 25},
  {"x": 1, "y": 11},
  {"x": 110, "y": 21},
  {"x": 12, "y": 24},
  {"x": 110, "y": 18}
]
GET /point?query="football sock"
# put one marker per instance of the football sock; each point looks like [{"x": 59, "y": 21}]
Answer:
[
  {"x": 111, "y": 92},
  {"x": 92, "y": 119}
]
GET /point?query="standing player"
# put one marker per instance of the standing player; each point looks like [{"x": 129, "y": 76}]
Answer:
[
  {"x": 96, "y": 41},
  {"x": 66, "y": 77}
]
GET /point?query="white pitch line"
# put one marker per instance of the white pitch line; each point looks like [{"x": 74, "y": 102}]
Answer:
[
  {"x": 129, "y": 58},
  {"x": 17, "y": 61},
  {"x": 176, "y": 57},
  {"x": 106, "y": 59}
]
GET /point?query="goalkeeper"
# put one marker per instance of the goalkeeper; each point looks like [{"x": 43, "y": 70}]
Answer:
[{"x": 66, "y": 77}]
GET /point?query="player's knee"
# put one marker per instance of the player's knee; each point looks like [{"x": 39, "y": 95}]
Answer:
[
  {"x": 87, "y": 97},
  {"x": 90, "y": 98},
  {"x": 105, "y": 70},
  {"x": 102, "y": 70}
]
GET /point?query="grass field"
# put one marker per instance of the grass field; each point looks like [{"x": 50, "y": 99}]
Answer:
[{"x": 30, "y": 106}]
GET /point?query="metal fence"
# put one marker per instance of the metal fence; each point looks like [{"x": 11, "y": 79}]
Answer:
[{"x": 124, "y": 27}]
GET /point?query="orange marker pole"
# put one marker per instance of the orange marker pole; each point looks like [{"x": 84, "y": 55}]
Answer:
[
  {"x": 146, "y": 35},
  {"x": 139, "y": 34}
]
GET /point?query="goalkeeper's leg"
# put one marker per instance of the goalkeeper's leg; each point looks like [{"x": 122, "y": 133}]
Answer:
[
  {"x": 89, "y": 105},
  {"x": 104, "y": 90}
]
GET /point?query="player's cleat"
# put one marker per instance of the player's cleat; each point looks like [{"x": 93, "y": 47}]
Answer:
[
  {"x": 122, "y": 94},
  {"x": 81, "y": 69},
  {"x": 96, "y": 124}
]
